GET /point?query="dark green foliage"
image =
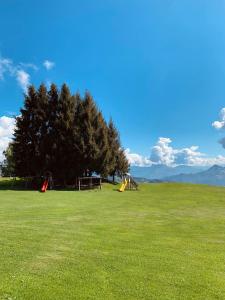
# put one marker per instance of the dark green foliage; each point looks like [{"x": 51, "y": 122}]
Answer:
[
  {"x": 122, "y": 165},
  {"x": 102, "y": 162},
  {"x": 41, "y": 128},
  {"x": 52, "y": 133},
  {"x": 8, "y": 166},
  {"x": 86, "y": 140},
  {"x": 64, "y": 127},
  {"x": 66, "y": 135},
  {"x": 27, "y": 136},
  {"x": 118, "y": 163}
]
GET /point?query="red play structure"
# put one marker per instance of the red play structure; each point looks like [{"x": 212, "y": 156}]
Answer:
[{"x": 44, "y": 186}]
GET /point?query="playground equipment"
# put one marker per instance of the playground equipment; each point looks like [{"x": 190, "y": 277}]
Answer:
[
  {"x": 90, "y": 182},
  {"x": 81, "y": 183},
  {"x": 128, "y": 183},
  {"x": 123, "y": 185},
  {"x": 44, "y": 186}
]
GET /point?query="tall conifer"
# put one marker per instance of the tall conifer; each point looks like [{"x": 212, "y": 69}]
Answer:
[
  {"x": 66, "y": 135},
  {"x": 41, "y": 127},
  {"x": 64, "y": 128},
  {"x": 52, "y": 141},
  {"x": 25, "y": 145},
  {"x": 114, "y": 148},
  {"x": 87, "y": 114}
]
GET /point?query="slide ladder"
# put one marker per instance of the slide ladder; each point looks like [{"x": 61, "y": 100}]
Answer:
[
  {"x": 128, "y": 183},
  {"x": 123, "y": 185},
  {"x": 44, "y": 186}
]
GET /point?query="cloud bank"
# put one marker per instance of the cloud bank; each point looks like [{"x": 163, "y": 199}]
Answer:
[
  {"x": 221, "y": 123},
  {"x": 7, "y": 126},
  {"x": 163, "y": 153},
  {"x": 137, "y": 159}
]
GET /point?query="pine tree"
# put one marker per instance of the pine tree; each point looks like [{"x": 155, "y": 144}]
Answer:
[
  {"x": 87, "y": 115},
  {"x": 122, "y": 165},
  {"x": 102, "y": 161},
  {"x": 76, "y": 157},
  {"x": 41, "y": 127},
  {"x": 8, "y": 166},
  {"x": 52, "y": 134},
  {"x": 114, "y": 144},
  {"x": 64, "y": 128},
  {"x": 25, "y": 145},
  {"x": 66, "y": 135}
]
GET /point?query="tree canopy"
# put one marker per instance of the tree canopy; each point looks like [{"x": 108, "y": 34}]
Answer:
[
  {"x": 66, "y": 135},
  {"x": 8, "y": 167}
]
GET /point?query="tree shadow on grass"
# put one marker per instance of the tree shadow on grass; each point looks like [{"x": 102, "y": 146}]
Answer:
[{"x": 12, "y": 184}]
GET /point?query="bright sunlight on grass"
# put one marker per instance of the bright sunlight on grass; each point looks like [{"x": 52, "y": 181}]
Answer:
[{"x": 166, "y": 241}]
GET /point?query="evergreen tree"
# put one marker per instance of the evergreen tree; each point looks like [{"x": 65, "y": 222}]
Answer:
[
  {"x": 8, "y": 166},
  {"x": 41, "y": 126},
  {"x": 76, "y": 155},
  {"x": 66, "y": 135},
  {"x": 122, "y": 165},
  {"x": 52, "y": 133},
  {"x": 114, "y": 144},
  {"x": 87, "y": 115},
  {"x": 102, "y": 162},
  {"x": 65, "y": 131},
  {"x": 25, "y": 145}
]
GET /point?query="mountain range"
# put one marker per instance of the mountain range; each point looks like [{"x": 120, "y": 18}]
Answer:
[
  {"x": 161, "y": 171},
  {"x": 214, "y": 175}
]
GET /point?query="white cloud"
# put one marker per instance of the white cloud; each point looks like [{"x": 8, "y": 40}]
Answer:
[
  {"x": 7, "y": 126},
  {"x": 23, "y": 78},
  {"x": 7, "y": 67},
  {"x": 220, "y": 124},
  {"x": 163, "y": 153},
  {"x": 137, "y": 159},
  {"x": 29, "y": 65},
  {"x": 21, "y": 71},
  {"x": 48, "y": 64}
]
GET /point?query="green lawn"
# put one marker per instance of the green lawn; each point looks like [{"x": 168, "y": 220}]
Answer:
[{"x": 166, "y": 241}]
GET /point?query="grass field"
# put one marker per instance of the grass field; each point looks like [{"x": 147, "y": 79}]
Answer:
[{"x": 166, "y": 241}]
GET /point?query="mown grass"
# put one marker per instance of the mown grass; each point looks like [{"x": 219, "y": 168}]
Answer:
[{"x": 166, "y": 241}]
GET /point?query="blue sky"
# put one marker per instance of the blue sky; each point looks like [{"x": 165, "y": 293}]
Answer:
[{"x": 157, "y": 67}]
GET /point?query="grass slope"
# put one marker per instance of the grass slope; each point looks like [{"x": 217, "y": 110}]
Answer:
[{"x": 166, "y": 241}]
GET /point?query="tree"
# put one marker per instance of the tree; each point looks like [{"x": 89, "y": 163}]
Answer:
[
  {"x": 64, "y": 127},
  {"x": 122, "y": 165},
  {"x": 52, "y": 134},
  {"x": 25, "y": 145},
  {"x": 66, "y": 135},
  {"x": 87, "y": 115},
  {"x": 102, "y": 162},
  {"x": 41, "y": 123},
  {"x": 8, "y": 166},
  {"x": 114, "y": 142}
]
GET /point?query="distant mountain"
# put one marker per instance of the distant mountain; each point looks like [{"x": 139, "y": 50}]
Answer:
[
  {"x": 213, "y": 176},
  {"x": 145, "y": 180},
  {"x": 162, "y": 171}
]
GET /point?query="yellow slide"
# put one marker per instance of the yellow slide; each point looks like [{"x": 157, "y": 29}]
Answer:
[{"x": 123, "y": 185}]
